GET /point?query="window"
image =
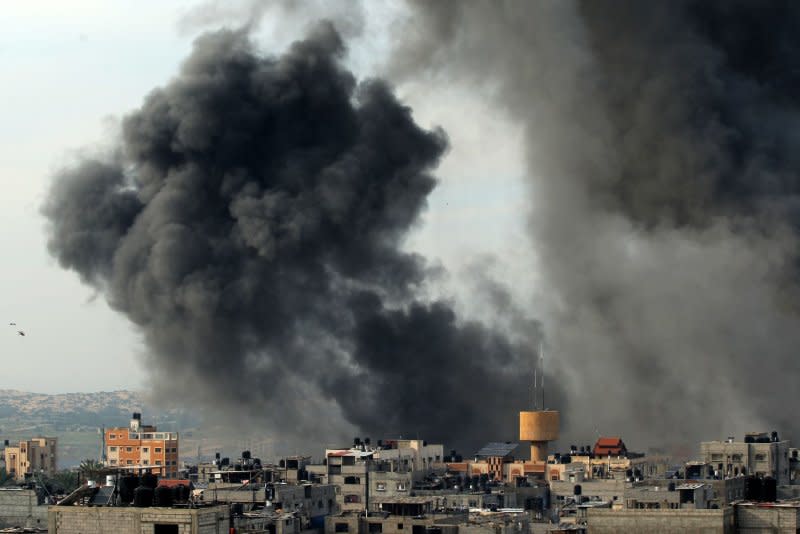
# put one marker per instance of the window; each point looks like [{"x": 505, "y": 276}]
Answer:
[
  {"x": 375, "y": 528},
  {"x": 113, "y": 462},
  {"x": 129, "y": 462},
  {"x": 399, "y": 526},
  {"x": 158, "y": 462},
  {"x": 128, "y": 449},
  {"x": 761, "y": 457},
  {"x": 401, "y": 486},
  {"x": 380, "y": 486},
  {"x": 112, "y": 436},
  {"x": 165, "y": 529},
  {"x": 145, "y": 449},
  {"x": 145, "y": 462},
  {"x": 715, "y": 457},
  {"x": 349, "y": 499},
  {"x": 112, "y": 449},
  {"x": 737, "y": 458},
  {"x": 341, "y": 527},
  {"x": 158, "y": 449}
]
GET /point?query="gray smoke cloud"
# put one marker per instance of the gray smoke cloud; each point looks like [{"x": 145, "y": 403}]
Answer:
[
  {"x": 250, "y": 222},
  {"x": 662, "y": 154}
]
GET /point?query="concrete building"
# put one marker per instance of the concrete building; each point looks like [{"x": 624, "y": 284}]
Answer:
[
  {"x": 760, "y": 454},
  {"x": 131, "y": 520},
  {"x": 668, "y": 495},
  {"x": 496, "y": 455},
  {"x": 309, "y": 503},
  {"x": 142, "y": 448},
  {"x": 31, "y": 457},
  {"x": 388, "y": 469}
]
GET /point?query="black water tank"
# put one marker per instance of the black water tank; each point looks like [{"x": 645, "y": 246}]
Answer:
[
  {"x": 150, "y": 480},
  {"x": 775, "y": 436},
  {"x": 753, "y": 488},
  {"x": 143, "y": 497},
  {"x": 127, "y": 485},
  {"x": 245, "y": 455},
  {"x": 237, "y": 508},
  {"x": 180, "y": 493},
  {"x": 163, "y": 497},
  {"x": 749, "y": 439},
  {"x": 356, "y": 441},
  {"x": 577, "y": 490},
  {"x": 770, "y": 490},
  {"x": 225, "y": 461},
  {"x": 367, "y": 441}
]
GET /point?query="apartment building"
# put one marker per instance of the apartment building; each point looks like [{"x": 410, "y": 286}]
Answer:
[
  {"x": 760, "y": 454},
  {"x": 142, "y": 448},
  {"x": 30, "y": 457}
]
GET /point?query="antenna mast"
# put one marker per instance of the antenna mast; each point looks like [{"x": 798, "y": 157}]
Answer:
[{"x": 541, "y": 361}]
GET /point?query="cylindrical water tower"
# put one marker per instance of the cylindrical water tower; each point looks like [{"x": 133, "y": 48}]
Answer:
[{"x": 539, "y": 427}]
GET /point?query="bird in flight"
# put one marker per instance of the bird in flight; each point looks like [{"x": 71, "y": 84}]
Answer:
[
  {"x": 20, "y": 332},
  {"x": 12, "y": 324}
]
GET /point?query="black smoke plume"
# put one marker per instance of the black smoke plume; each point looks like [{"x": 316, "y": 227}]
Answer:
[
  {"x": 250, "y": 222},
  {"x": 663, "y": 158}
]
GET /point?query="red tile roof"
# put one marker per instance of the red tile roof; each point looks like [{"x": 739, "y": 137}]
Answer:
[{"x": 610, "y": 446}]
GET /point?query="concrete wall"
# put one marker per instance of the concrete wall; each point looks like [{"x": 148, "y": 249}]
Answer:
[
  {"x": 758, "y": 519},
  {"x": 604, "y": 521},
  {"x": 20, "y": 507},
  {"x": 102, "y": 520}
]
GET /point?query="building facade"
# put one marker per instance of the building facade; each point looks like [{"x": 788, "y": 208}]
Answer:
[
  {"x": 31, "y": 457},
  {"x": 760, "y": 454},
  {"x": 142, "y": 448}
]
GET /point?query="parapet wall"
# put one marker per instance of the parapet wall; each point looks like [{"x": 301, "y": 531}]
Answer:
[
  {"x": 604, "y": 521},
  {"x": 20, "y": 508}
]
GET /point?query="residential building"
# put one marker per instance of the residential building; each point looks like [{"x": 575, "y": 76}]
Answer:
[
  {"x": 760, "y": 454},
  {"x": 389, "y": 468},
  {"x": 31, "y": 457},
  {"x": 142, "y": 448}
]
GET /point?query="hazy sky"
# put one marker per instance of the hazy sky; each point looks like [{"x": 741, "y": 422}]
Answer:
[{"x": 72, "y": 69}]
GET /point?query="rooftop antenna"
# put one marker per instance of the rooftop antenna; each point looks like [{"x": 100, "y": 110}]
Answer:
[
  {"x": 538, "y": 379},
  {"x": 541, "y": 363}
]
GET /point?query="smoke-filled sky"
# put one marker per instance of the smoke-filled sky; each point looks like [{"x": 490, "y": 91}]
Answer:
[{"x": 361, "y": 218}]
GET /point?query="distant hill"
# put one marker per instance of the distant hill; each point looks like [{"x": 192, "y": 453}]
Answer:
[{"x": 77, "y": 418}]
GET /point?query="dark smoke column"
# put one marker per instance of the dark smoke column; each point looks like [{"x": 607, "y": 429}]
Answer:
[{"x": 251, "y": 229}]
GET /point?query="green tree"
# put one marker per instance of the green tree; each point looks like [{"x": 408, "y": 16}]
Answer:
[
  {"x": 90, "y": 470},
  {"x": 64, "y": 481}
]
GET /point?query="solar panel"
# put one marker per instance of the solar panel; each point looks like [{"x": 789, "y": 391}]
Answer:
[{"x": 497, "y": 448}]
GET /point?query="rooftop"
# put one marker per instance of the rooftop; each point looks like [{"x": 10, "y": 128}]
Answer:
[{"x": 497, "y": 448}]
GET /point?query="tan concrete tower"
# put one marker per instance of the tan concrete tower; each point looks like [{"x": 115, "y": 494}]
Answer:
[{"x": 539, "y": 426}]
